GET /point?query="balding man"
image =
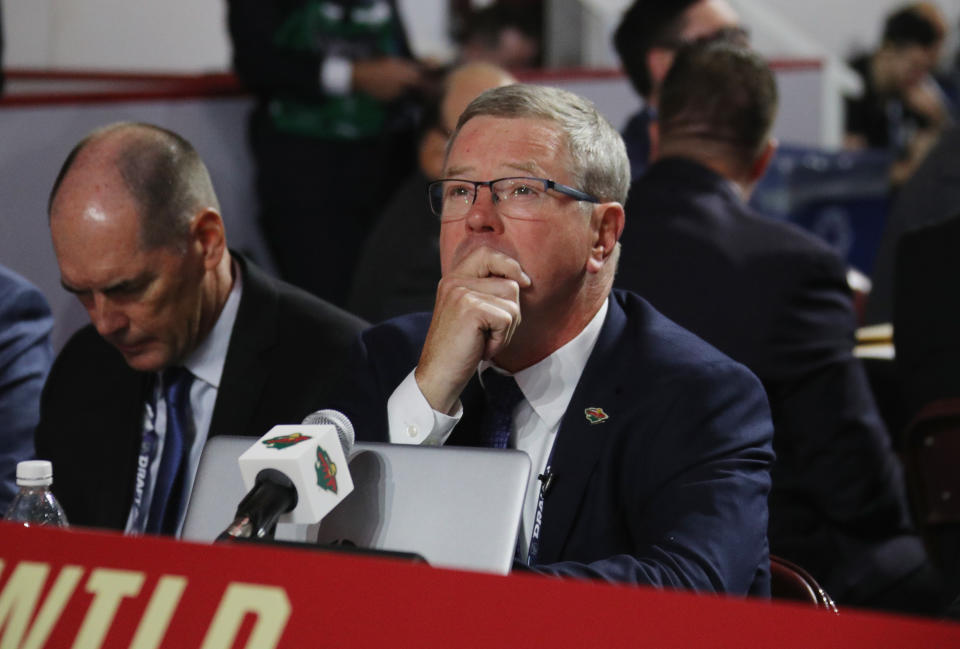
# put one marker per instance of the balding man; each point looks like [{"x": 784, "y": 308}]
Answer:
[{"x": 187, "y": 340}]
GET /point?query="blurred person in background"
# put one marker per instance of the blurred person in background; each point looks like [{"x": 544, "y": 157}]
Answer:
[
  {"x": 931, "y": 195},
  {"x": 506, "y": 35},
  {"x": 333, "y": 131},
  {"x": 901, "y": 109},
  {"x": 646, "y": 41},
  {"x": 774, "y": 298},
  {"x": 399, "y": 267}
]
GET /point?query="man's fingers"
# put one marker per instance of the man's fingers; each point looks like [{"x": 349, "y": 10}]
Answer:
[
  {"x": 507, "y": 289},
  {"x": 487, "y": 262},
  {"x": 497, "y": 318},
  {"x": 467, "y": 326},
  {"x": 475, "y": 317}
]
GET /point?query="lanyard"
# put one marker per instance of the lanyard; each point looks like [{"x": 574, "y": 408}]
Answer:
[
  {"x": 143, "y": 488},
  {"x": 546, "y": 480}
]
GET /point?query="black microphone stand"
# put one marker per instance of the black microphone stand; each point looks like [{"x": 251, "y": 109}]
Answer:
[{"x": 272, "y": 496}]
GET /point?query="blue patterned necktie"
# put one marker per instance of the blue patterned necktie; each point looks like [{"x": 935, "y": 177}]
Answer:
[
  {"x": 168, "y": 492},
  {"x": 501, "y": 395}
]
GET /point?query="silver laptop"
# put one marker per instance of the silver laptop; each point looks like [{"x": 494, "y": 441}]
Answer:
[{"x": 456, "y": 507}]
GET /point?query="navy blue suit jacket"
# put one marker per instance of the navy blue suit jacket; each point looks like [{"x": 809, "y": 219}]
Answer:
[
  {"x": 671, "y": 490},
  {"x": 25, "y": 358},
  {"x": 775, "y": 298}
]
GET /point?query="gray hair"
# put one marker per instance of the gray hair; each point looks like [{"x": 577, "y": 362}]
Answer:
[{"x": 596, "y": 150}]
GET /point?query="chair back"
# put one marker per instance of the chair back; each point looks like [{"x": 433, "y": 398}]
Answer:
[
  {"x": 930, "y": 448},
  {"x": 931, "y": 454},
  {"x": 790, "y": 581}
]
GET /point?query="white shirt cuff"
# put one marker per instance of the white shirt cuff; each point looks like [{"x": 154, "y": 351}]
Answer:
[
  {"x": 413, "y": 421},
  {"x": 336, "y": 75}
]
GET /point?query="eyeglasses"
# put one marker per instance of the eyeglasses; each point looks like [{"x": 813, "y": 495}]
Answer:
[{"x": 516, "y": 198}]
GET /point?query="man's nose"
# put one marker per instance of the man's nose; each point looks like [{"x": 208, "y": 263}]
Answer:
[
  {"x": 484, "y": 215},
  {"x": 105, "y": 315}
]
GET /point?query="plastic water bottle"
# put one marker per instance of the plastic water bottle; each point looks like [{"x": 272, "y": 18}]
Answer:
[{"x": 35, "y": 504}]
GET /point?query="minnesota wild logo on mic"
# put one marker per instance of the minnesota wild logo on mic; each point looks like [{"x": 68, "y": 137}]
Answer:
[
  {"x": 326, "y": 471},
  {"x": 285, "y": 441}
]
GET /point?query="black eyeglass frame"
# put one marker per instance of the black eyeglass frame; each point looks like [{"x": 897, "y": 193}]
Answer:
[{"x": 477, "y": 184}]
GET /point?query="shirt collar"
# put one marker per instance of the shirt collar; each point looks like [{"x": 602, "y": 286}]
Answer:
[
  {"x": 207, "y": 360},
  {"x": 549, "y": 384}
]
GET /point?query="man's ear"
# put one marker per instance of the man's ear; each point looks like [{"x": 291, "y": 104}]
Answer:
[
  {"x": 208, "y": 236},
  {"x": 762, "y": 161},
  {"x": 609, "y": 219},
  {"x": 432, "y": 148},
  {"x": 659, "y": 60},
  {"x": 653, "y": 130}
]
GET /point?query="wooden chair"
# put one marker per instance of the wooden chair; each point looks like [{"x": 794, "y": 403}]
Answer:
[{"x": 790, "y": 581}]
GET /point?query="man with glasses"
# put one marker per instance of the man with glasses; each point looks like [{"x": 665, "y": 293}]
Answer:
[
  {"x": 650, "y": 449},
  {"x": 646, "y": 41}
]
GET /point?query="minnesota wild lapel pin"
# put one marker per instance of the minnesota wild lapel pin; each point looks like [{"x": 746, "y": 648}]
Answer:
[{"x": 595, "y": 415}]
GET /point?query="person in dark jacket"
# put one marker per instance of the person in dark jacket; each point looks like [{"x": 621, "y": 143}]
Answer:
[{"x": 774, "y": 298}]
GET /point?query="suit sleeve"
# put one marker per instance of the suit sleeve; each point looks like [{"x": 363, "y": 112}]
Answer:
[
  {"x": 828, "y": 429},
  {"x": 380, "y": 359},
  {"x": 25, "y": 358},
  {"x": 690, "y": 478}
]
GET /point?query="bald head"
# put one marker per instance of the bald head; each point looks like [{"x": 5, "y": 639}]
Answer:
[
  {"x": 460, "y": 86},
  {"x": 464, "y": 84},
  {"x": 157, "y": 169},
  {"x": 140, "y": 241}
]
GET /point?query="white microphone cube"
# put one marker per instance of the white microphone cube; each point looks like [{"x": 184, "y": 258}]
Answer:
[{"x": 312, "y": 457}]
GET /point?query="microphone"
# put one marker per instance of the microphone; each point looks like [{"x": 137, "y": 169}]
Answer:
[
  {"x": 336, "y": 419},
  {"x": 294, "y": 474}
]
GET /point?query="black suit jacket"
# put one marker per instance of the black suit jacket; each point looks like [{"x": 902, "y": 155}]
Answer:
[
  {"x": 931, "y": 195},
  {"x": 286, "y": 350},
  {"x": 670, "y": 490},
  {"x": 775, "y": 298},
  {"x": 926, "y": 315}
]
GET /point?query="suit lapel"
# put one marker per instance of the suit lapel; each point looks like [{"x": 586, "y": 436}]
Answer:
[
  {"x": 114, "y": 453},
  {"x": 245, "y": 372},
  {"x": 581, "y": 439}
]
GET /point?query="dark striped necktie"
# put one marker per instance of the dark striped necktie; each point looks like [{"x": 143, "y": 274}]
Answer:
[
  {"x": 501, "y": 397},
  {"x": 168, "y": 493}
]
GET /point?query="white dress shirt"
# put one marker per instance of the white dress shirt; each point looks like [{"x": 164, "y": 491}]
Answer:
[
  {"x": 547, "y": 388},
  {"x": 205, "y": 364}
]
